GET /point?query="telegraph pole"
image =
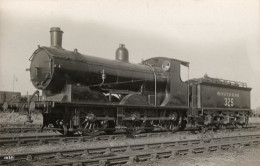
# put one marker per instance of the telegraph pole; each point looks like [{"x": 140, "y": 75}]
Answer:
[
  {"x": 14, "y": 79},
  {"x": 13, "y": 83}
]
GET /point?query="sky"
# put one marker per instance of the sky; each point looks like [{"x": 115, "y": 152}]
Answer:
[{"x": 218, "y": 37}]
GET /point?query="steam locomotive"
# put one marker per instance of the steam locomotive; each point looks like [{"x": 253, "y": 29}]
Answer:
[{"x": 88, "y": 95}]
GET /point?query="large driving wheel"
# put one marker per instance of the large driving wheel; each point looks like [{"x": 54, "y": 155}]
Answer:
[
  {"x": 88, "y": 123},
  {"x": 174, "y": 122}
]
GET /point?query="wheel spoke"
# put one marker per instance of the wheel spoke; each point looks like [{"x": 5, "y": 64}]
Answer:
[
  {"x": 88, "y": 126},
  {"x": 83, "y": 122},
  {"x": 173, "y": 124}
]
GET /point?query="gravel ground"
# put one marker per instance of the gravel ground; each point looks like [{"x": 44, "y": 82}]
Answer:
[
  {"x": 242, "y": 156},
  {"x": 30, "y": 134},
  {"x": 254, "y": 120},
  {"x": 16, "y": 118}
]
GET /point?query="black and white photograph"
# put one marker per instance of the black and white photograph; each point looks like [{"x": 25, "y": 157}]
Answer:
[{"x": 130, "y": 82}]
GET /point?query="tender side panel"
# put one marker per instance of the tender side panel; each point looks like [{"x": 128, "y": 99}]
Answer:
[{"x": 213, "y": 96}]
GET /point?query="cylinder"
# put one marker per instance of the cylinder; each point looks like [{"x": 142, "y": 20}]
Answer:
[
  {"x": 56, "y": 37},
  {"x": 122, "y": 53}
]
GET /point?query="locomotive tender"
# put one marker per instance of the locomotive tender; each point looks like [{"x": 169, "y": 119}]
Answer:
[{"x": 87, "y": 95}]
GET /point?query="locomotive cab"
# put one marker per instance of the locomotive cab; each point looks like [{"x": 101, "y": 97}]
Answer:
[{"x": 176, "y": 92}]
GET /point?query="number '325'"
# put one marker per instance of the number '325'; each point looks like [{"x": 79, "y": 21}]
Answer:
[{"x": 228, "y": 102}]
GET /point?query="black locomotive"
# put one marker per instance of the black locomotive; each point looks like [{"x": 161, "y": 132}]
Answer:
[{"x": 87, "y": 95}]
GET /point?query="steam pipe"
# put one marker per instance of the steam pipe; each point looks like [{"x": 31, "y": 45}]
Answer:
[
  {"x": 155, "y": 84},
  {"x": 29, "y": 116}
]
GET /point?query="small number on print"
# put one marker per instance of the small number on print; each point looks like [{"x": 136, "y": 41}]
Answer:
[{"x": 9, "y": 157}]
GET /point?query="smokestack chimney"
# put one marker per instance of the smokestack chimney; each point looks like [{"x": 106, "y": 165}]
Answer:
[{"x": 56, "y": 37}]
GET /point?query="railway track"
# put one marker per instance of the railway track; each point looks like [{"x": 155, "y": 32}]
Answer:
[
  {"x": 45, "y": 139},
  {"x": 5, "y": 130},
  {"x": 7, "y": 141},
  {"x": 37, "y": 129},
  {"x": 121, "y": 154},
  {"x": 19, "y": 124}
]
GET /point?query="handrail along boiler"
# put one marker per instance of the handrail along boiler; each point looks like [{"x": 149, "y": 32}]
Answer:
[{"x": 87, "y": 94}]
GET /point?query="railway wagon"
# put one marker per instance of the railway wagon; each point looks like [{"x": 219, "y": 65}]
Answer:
[
  {"x": 9, "y": 100},
  {"x": 14, "y": 101},
  {"x": 216, "y": 101}
]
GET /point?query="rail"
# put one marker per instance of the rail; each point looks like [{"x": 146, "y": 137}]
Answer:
[
  {"x": 13, "y": 140},
  {"x": 103, "y": 155}
]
